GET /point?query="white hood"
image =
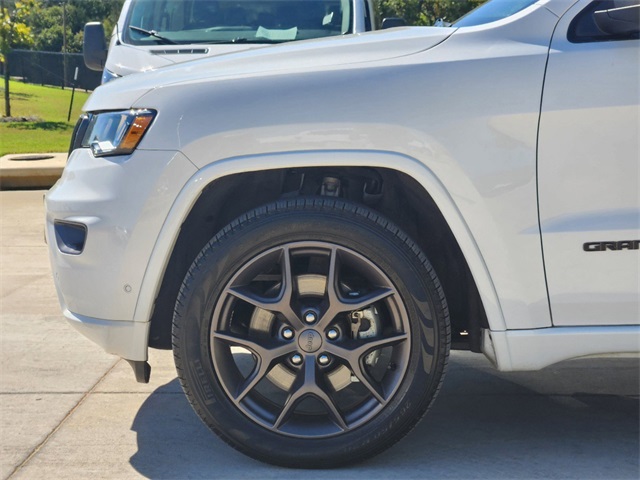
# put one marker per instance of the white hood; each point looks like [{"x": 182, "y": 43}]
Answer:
[
  {"x": 295, "y": 56},
  {"x": 129, "y": 59}
]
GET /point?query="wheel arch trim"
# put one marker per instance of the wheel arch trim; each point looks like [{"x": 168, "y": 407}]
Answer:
[{"x": 191, "y": 191}]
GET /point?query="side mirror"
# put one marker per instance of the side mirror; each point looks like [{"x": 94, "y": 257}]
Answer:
[
  {"x": 619, "y": 21},
  {"x": 94, "y": 48},
  {"x": 392, "y": 22}
]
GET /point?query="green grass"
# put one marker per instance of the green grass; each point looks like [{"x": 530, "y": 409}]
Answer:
[{"x": 52, "y": 132}]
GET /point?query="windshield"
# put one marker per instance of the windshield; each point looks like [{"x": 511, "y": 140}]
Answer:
[
  {"x": 157, "y": 22},
  {"x": 492, "y": 11}
]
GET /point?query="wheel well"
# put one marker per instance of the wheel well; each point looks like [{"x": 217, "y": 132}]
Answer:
[{"x": 394, "y": 194}]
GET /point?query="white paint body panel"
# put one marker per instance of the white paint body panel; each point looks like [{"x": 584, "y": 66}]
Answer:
[
  {"x": 124, "y": 59},
  {"x": 589, "y": 177},
  {"x": 457, "y": 110},
  {"x": 523, "y": 350},
  {"x": 123, "y": 201}
]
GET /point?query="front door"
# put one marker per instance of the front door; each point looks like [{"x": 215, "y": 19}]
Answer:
[{"x": 588, "y": 171}]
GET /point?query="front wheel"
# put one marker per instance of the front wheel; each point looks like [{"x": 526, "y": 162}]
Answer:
[{"x": 311, "y": 333}]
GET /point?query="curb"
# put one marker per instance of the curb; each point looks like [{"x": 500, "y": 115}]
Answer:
[{"x": 37, "y": 170}]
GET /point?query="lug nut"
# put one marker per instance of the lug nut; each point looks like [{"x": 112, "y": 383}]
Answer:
[
  {"x": 324, "y": 359},
  {"x": 310, "y": 317},
  {"x": 287, "y": 333},
  {"x": 333, "y": 334},
  {"x": 296, "y": 359}
]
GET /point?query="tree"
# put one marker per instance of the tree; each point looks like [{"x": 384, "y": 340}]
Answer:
[
  {"x": 48, "y": 24},
  {"x": 448, "y": 10},
  {"x": 425, "y": 12},
  {"x": 14, "y": 32}
]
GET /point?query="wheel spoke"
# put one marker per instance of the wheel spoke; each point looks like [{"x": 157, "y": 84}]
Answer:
[
  {"x": 332, "y": 286},
  {"x": 354, "y": 351},
  {"x": 282, "y": 303},
  {"x": 259, "y": 372},
  {"x": 375, "y": 390},
  {"x": 334, "y": 413},
  {"x": 332, "y": 292},
  {"x": 289, "y": 407},
  {"x": 337, "y": 303},
  {"x": 307, "y": 385},
  {"x": 286, "y": 292},
  {"x": 353, "y": 355},
  {"x": 243, "y": 293},
  {"x": 363, "y": 301},
  {"x": 300, "y": 390},
  {"x": 361, "y": 350},
  {"x": 266, "y": 354}
]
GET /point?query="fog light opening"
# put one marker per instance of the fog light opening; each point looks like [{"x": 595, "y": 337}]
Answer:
[{"x": 70, "y": 237}]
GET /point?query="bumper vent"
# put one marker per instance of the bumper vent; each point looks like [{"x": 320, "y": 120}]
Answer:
[{"x": 70, "y": 237}]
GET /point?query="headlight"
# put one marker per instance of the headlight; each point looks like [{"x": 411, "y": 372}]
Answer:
[{"x": 117, "y": 133}]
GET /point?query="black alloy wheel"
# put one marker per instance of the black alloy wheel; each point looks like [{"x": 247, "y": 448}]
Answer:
[{"x": 311, "y": 333}]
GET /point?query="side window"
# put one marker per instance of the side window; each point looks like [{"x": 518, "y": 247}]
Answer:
[{"x": 624, "y": 24}]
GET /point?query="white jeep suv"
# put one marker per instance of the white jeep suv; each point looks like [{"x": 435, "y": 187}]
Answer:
[{"x": 311, "y": 227}]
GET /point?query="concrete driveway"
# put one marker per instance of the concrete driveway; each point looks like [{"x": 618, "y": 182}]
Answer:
[{"x": 69, "y": 410}]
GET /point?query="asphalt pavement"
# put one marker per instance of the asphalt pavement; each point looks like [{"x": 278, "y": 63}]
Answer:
[{"x": 69, "y": 410}]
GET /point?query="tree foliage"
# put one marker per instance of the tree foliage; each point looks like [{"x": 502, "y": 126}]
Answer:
[
  {"x": 47, "y": 25},
  {"x": 425, "y": 12},
  {"x": 14, "y": 32}
]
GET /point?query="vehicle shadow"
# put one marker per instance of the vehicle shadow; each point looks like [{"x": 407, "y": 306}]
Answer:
[{"x": 573, "y": 421}]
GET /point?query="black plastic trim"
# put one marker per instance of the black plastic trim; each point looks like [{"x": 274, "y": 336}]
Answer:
[
  {"x": 70, "y": 236},
  {"x": 142, "y": 370},
  {"x": 79, "y": 131}
]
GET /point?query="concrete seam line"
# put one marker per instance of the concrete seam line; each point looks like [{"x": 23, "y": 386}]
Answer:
[{"x": 39, "y": 447}]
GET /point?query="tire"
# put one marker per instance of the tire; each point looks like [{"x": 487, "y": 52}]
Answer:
[{"x": 311, "y": 333}]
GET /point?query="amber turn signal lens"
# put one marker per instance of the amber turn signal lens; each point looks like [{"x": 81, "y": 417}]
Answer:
[{"x": 136, "y": 131}]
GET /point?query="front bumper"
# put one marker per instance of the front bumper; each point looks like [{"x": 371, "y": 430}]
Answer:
[
  {"x": 126, "y": 339},
  {"x": 122, "y": 202}
]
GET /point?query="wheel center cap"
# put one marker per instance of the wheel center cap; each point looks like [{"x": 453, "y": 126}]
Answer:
[{"x": 310, "y": 341}]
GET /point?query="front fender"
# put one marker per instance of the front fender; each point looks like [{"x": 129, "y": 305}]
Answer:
[{"x": 235, "y": 165}]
